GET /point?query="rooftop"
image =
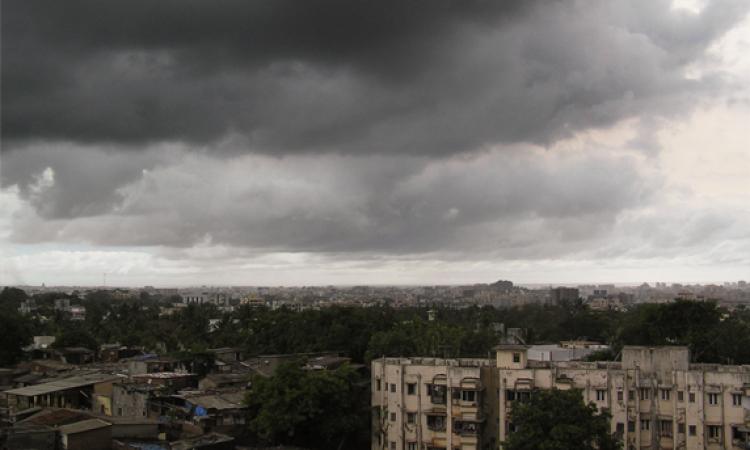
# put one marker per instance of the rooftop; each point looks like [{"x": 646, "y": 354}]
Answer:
[
  {"x": 224, "y": 400},
  {"x": 164, "y": 375},
  {"x": 54, "y": 417},
  {"x": 83, "y": 426},
  {"x": 62, "y": 385},
  {"x": 511, "y": 347}
]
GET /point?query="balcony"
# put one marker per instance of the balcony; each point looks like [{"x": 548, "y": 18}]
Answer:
[
  {"x": 466, "y": 427},
  {"x": 436, "y": 422}
]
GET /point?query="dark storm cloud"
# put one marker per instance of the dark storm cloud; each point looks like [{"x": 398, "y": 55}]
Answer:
[
  {"x": 343, "y": 126},
  {"x": 427, "y": 77}
]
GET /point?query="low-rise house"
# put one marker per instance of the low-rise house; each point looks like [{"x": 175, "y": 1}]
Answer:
[
  {"x": 56, "y": 429},
  {"x": 74, "y": 392},
  {"x": 76, "y": 355},
  {"x": 215, "y": 381},
  {"x": 40, "y": 348},
  {"x": 134, "y": 399},
  {"x": 116, "y": 352},
  {"x": 48, "y": 367},
  {"x": 172, "y": 380},
  {"x": 227, "y": 354},
  {"x": 91, "y": 434},
  {"x": 151, "y": 363},
  {"x": 212, "y": 411},
  {"x": 147, "y": 395}
]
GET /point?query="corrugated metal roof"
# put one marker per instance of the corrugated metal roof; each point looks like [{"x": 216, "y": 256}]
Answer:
[
  {"x": 61, "y": 385},
  {"x": 85, "y": 425},
  {"x": 225, "y": 400}
]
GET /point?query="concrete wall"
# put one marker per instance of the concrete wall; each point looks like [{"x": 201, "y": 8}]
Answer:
[{"x": 99, "y": 439}]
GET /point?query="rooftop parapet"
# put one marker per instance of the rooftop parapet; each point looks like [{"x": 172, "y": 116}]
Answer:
[{"x": 453, "y": 362}]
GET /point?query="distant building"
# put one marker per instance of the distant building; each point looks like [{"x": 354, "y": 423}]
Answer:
[
  {"x": 563, "y": 294},
  {"x": 27, "y": 307},
  {"x": 77, "y": 312},
  {"x": 62, "y": 304}
]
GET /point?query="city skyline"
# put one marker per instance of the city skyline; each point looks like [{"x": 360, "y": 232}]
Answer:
[{"x": 247, "y": 143}]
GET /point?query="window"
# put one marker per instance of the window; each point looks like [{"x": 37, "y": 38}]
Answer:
[
  {"x": 713, "y": 398},
  {"x": 516, "y": 357},
  {"x": 680, "y": 396},
  {"x": 468, "y": 396},
  {"x": 620, "y": 428},
  {"x": 119, "y": 411},
  {"x": 736, "y": 399},
  {"x": 601, "y": 395},
  {"x": 631, "y": 395},
  {"x": 681, "y": 428},
  {"x": 393, "y": 387},
  {"x": 436, "y": 423},
  {"x": 411, "y": 388},
  {"x": 619, "y": 396},
  {"x": 714, "y": 432},
  {"x": 510, "y": 395},
  {"x": 631, "y": 426},
  {"x": 393, "y": 445},
  {"x": 411, "y": 446},
  {"x": 393, "y": 417},
  {"x": 437, "y": 393},
  {"x": 665, "y": 428},
  {"x": 692, "y": 430},
  {"x": 691, "y": 397},
  {"x": 411, "y": 417},
  {"x": 645, "y": 394},
  {"x": 377, "y": 383},
  {"x": 645, "y": 425},
  {"x": 665, "y": 394}
]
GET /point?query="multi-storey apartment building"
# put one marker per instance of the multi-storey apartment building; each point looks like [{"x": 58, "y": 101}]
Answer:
[{"x": 657, "y": 399}]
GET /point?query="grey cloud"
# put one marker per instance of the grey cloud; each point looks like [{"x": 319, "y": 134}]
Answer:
[
  {"x": 517, "y": 201},
  {"x": 85, "y": 180},
  {"x": 350, "y": 77}
]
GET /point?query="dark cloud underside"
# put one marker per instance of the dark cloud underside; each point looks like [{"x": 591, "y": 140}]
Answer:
[{"x": 283, "y": 76}]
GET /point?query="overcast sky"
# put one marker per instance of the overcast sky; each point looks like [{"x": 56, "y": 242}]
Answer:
[{"x": 374, "y": 142}]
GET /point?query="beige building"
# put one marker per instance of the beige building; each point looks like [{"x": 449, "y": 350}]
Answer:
[{"x": 657, "y": 399}]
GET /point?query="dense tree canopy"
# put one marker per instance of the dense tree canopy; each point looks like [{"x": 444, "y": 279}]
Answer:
[
  {"x": 713, "y": 334},
  {"x": 559, "y": 420},
  {"x": 316, "y": 409}
]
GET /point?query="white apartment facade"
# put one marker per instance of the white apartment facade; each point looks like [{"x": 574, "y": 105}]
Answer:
[{"x": 657, "y": 399}]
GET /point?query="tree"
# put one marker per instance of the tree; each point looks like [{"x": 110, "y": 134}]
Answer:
[
  {"x": 316, "y": 409},
  {"x": 559, "y": 420},
  {"x": 15, "y": 335},
  {"x": 76, "y": 336},
  {"x": 11, "y": 298}
]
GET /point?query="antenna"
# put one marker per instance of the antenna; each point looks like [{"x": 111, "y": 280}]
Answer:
[{"x": 104, "y": 279}]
